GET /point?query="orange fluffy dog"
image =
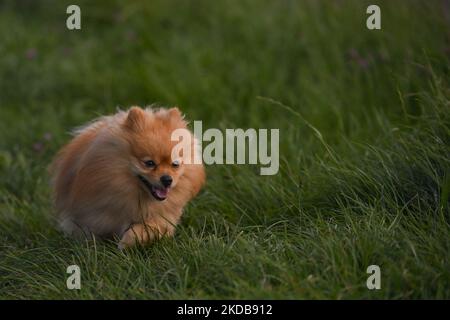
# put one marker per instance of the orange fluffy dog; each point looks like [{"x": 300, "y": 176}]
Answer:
[{"x": 117, "y": 178}]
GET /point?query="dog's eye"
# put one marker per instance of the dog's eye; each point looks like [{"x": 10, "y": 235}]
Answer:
[
  {"x": 150, "y": 163},
  {"x": 176, "y": 164}
]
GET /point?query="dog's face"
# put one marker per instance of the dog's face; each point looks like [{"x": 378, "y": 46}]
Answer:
[{"x": 149, "y": 137}]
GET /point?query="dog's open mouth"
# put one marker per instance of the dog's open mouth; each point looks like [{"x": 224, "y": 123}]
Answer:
[{"x": 159, "y": 193}]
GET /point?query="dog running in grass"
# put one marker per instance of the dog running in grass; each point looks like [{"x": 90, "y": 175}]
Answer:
[{"x": 116, "y": 178}]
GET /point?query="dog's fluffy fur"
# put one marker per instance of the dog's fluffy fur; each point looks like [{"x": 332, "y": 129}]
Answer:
[{"x": 103, "y": 185}]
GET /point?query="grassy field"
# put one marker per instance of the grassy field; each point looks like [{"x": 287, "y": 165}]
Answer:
[{"x": 364, "y": 119}]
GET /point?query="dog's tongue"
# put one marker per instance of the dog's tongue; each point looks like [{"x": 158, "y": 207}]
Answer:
[{"x": 162, "y": 193}]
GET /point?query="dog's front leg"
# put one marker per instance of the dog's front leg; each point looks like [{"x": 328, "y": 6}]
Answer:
[{"x": 144, "y": 233}]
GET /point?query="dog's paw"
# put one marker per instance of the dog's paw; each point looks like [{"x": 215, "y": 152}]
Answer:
[
  {"x": 129, "y": 238},
  {"x": 138, "y": 234},
  {"x": 122, "y": 246}
]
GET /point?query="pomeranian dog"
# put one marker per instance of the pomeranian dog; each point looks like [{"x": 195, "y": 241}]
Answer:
[{"x": 117, "y": 178}]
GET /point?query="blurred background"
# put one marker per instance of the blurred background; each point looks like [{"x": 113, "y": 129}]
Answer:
[{"x": 363, "y": 119}]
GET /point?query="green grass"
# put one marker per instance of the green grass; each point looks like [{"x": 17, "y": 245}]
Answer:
[{"x": 364, "y": 129}]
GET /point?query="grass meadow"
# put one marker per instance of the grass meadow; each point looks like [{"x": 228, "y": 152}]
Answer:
[{"x": 364, "y": 119}]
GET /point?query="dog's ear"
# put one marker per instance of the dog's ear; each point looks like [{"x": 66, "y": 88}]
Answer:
[
  {"x": 176, "y": 118},
  {"x": 135, "y": 119},
  {"x": 175, "y": 113}
]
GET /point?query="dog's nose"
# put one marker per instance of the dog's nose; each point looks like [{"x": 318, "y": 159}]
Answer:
[{"x": 166, "y": 180}]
